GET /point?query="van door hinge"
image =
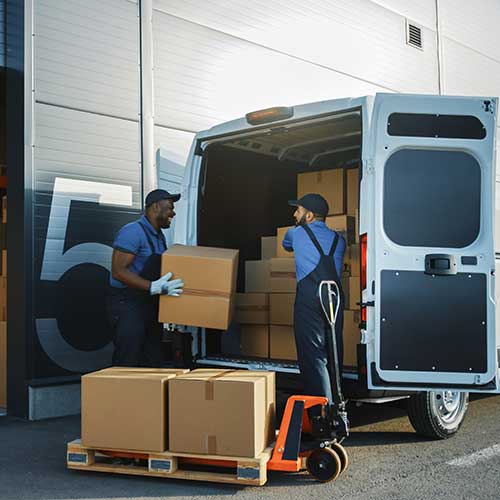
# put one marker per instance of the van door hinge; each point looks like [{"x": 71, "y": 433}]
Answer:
[{"x": 370, "y": 166}]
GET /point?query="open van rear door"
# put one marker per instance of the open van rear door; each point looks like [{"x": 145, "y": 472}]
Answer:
[{"x": 430, "y": 243}]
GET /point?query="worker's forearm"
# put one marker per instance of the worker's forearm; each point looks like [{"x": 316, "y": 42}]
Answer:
[{"x": 132, "y": 280}]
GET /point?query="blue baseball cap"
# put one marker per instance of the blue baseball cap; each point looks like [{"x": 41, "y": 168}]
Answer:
[
  {"x": 160, "y": 194},
  {"x": 313, "y": 202}
]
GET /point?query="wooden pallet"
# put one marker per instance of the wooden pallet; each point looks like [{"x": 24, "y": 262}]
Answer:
[{"x": 244, "y": 471}]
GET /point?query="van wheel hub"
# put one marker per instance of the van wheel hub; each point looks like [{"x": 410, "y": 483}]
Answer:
[{"x": 448, "y": 405}]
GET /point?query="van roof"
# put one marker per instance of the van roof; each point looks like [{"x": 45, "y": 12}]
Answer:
[{"x": 301, "y": 111}]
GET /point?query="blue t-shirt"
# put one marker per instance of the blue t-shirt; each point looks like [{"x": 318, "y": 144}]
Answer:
[
  {"x": 132, "y": 239},
  {"x": 306, "y": 254}
]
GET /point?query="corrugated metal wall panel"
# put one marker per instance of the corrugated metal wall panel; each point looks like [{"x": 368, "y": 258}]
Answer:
[
  {"x": 474, "y": 24},
  {"x": 422, "y": 12},
  {"x": 85, "y": 146},
  {"x": 467, "y": 72},
  {"x": 355, "y": 37},
  {"x": 87, "y": 55},
  {"x": 203, "y": 77}
]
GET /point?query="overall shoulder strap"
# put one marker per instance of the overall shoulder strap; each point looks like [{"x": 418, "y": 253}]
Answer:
[
  {"x": 313, "y": 238},
  {"x": 151, "y": 246},
  {"x": 334, "y": 244}
]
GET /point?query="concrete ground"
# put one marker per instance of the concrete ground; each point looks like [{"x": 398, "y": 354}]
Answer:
[{"x": 387, "y": 461}]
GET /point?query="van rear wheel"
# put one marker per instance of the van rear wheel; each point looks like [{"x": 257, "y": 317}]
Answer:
[{"x": 437, "y": 414}]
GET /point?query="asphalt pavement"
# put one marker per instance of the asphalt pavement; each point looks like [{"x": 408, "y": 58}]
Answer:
[{"x": 387, "y": 461}]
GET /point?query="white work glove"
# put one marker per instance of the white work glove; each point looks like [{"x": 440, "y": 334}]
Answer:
[{"x": 166, "y": 286}]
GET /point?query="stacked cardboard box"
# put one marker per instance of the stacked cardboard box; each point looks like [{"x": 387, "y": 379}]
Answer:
[
  {"x": 3, "y": 306},
  {"x": 222, "y": 412}
]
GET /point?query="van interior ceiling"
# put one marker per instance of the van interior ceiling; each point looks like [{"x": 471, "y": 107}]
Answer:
[{"x": 248, "y": 180}]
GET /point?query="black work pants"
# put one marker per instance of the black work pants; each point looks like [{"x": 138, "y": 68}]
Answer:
[{"x": 137, "y": 334}]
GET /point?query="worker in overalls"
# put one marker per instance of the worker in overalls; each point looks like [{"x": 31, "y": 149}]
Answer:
[
  {"x": 319, "y": 252},
  {"x": 136, "y": 283}
]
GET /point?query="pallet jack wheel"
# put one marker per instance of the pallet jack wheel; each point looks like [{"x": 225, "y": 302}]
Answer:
[
  {"x": 342, "y": 453},
  {"x": 324, "y": 464}
]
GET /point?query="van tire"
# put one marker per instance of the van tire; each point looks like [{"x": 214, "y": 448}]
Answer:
[{"x": 437, "y": 414}]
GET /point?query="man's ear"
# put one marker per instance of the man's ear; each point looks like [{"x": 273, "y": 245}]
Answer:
[{"x": 309, "y": 216}]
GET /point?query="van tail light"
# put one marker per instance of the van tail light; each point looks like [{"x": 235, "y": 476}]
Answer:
[{"x": 363, "y": 242}]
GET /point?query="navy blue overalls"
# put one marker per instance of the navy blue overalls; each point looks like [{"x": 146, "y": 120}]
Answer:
[
  {"x": 312, "y": 331},
  {"x": 133, "y": 314}
]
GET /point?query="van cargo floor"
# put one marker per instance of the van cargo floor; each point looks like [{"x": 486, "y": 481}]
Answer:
[
  {"x": 250, "y": 363},
  {"x": 214, "y": 468}
]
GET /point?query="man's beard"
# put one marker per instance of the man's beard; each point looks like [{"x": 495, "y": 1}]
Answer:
[{"x": 301, "y": 221}]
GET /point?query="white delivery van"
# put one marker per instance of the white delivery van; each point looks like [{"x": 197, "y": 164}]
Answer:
[{"x": 426, "y": 207}]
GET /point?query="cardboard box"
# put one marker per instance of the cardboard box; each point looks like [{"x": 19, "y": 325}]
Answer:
[
  {"x": 282, "y": 343},
  {"x": 4, "y": 209},
  {"x": 268, "y": 247},
  {"x": 281, "y": 308},
  {"x": 125, "y": 409},
  {"x": 352, "y": 181},
  {"x": 343, "y": 224},
  {"x": 351, "y": 336},
  {"x": 356, "y": 225},
  {"x": 4, "y": 262},
  {"x": 352, "y": 291},
  {"x": 209, "y": 276},
  {"x": 3, "y": 298},
  {"x": 134, "y": 369},
  {"x": 3, "y": 364},
  {"x": 283, "y": 276},
  {"x": 258, "y": 276},
  {"x": 280, "y": 251},
  {"x": 254, "y": 340},
  {"x": 252, "y": 308},
  {"x": 354, "y": 260},
  {"x": 222, "y": 412},
  {"x": 327, "y": 183}
]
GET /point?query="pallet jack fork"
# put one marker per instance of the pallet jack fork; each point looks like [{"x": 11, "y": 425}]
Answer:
[{"x": 323, "y": 454}]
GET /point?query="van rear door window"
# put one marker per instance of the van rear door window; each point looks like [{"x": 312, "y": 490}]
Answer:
[
  {"x": 438, "y": 126},
  {"x": 432, "y": 198}
]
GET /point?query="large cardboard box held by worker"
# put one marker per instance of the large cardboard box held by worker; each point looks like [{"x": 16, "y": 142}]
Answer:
[
  {"x": 351, "y": 336},
  {"x": 3, "y": 364},
  {"x": 327, "y": 183},
  {"x": 282, "y": 343},
  {"x": 283, "y": 276},
  {"x": 126, "y": 409},
  {"x": 254, "y": 340},
  {"x": 257, "y": 276},
  {"x": 281, "y": 306},
  {"x": 252, "y": 308},
  {"x": 209, "y": 276},
  {"x": 222, "y": 412}
]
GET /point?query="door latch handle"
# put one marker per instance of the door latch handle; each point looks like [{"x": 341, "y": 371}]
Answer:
[
  {"x": 440, "y": 264},
  {"x": 370, "y": 303}
]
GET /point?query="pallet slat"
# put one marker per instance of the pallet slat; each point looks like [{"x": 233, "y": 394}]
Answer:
[{"x": 248, "y": 471}]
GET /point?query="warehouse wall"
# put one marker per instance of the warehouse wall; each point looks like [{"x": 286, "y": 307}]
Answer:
[{"x": 209, "y": 65}]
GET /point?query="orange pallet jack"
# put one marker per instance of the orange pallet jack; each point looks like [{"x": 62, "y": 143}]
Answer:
[{"x": 323, "y": 454}]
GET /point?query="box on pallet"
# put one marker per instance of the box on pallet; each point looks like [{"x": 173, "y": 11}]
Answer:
[
  {"x": 126, "y": 409},
  {"x": 209, "y": 276},
  {"x": 327, "y": 183},
  {"x": 252, "y": 308},
  {"x": 222, "y": 412},
  {"x": 257, "y": 276},
  {"x": 254, "y": 340}
]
